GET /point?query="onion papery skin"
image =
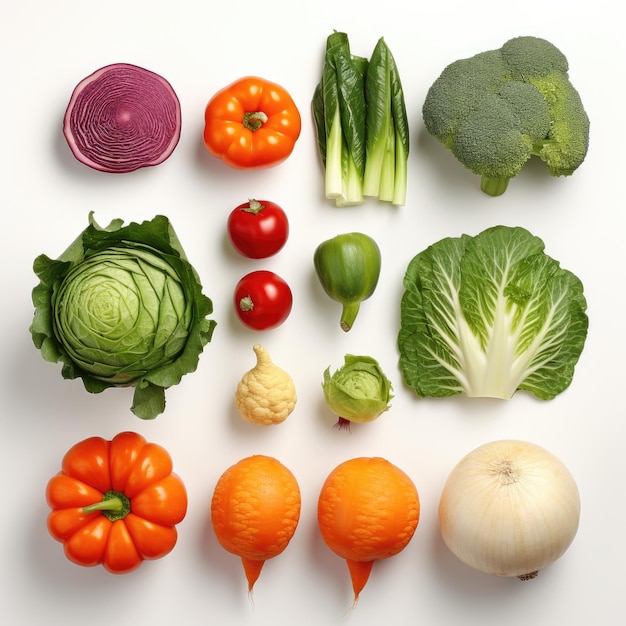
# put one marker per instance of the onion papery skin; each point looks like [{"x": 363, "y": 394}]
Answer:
[
  {"x": 122, "y": 118},
  {"x": 509, "y": 508}
]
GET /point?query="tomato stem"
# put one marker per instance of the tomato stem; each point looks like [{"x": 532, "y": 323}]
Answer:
[
  {"x": 246, "y": 304},
  {"x": 254, "y": 120},
  {"x": 114, "y": 505},
  {"x": 254, "y": 206}
]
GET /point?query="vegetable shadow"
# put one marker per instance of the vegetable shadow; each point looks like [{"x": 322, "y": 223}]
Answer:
[
  {"x": 333, "y": 569},
  {"x": 203, "y": 160},
  {"x": 226, "y": 568},
  {"x": 64, "y": 581},
  {"x": 327, "y": 309},
  {"x": 441, "y": 166},
  {"x": 446, "y": 172},
  {"x": 62, "y": 153},
  {"x": 479, "y": 409},
  {"x": 59, "y": 400},
  {"x": 471, "y": 587},
  {"x": 215, "y": 172}
]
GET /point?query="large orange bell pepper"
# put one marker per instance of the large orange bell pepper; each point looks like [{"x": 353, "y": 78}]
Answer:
[
  {"x": 116, "y": 503},
  {"x": 251, "y": 123}
]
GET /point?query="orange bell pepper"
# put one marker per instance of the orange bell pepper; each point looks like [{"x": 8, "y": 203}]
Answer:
[
  {"x": 116, "y": 503},
  {"x": 252, "y": 123}
]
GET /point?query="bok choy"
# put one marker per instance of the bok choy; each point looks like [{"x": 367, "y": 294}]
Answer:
[{"x": 361, "y": 123}]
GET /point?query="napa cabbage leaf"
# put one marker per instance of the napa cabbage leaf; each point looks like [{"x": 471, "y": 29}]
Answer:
[{"x": 488, "y": 315}]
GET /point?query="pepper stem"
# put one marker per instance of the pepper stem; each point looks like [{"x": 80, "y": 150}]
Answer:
[
  {"x": 254, "y": 120},
  {"x": 348, "y": 315},
  {"x": 114, "y": 505}
]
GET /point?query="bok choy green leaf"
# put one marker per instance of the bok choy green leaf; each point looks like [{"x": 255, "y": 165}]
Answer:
[{"x": 339, "y": 114}]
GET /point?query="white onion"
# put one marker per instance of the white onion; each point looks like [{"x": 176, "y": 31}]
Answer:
[{"x": 509, "y": 508}]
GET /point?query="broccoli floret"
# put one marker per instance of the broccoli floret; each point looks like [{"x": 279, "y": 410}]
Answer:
[
  {"x": 497, "y": 109},
  {"x": 527, "y": 57},
  {"x": 530, "y": 109}
]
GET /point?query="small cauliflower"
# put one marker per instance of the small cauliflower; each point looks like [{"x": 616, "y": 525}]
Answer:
[{"x": 266, "y": 394}]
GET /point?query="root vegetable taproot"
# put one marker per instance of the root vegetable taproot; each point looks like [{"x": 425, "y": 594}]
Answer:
[
  {"x": 266, "y": 394},
  {"x": 255, "y": 511},
  {"x": 368, "y": 509}
]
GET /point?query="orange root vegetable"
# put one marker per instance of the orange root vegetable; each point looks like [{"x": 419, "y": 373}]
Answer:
[
  {"x": 368, "y": 509},
  {"x": 255, "y": 511}
]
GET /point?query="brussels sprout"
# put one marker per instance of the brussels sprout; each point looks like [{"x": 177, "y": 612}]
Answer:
[
  {"x": 122, "y": 306},
  {"x": 357, "y": 392}
]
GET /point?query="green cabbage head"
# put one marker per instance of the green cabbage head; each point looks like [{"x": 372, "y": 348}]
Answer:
[
  {"x": 122, "y": 306},
  {"x": 359, "y": 391}
]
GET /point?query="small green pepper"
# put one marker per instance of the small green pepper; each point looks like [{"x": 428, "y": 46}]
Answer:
[{"x": 348, "y": 267}]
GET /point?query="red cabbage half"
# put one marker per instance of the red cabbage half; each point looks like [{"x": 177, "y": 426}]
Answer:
[{"x": 121, "y": 118}]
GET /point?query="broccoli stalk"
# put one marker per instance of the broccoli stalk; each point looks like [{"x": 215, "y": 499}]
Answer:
[
  {"x": 499, "y": 108},
  {"x": 493, "y": 186}
]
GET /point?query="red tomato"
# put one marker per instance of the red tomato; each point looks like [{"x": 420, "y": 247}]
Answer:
[
  {"x": 258, "y": 229},
  {"x": 262, "y": 300}
]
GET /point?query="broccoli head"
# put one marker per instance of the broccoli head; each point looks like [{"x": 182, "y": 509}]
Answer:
[{"x": 495, "y": 110}]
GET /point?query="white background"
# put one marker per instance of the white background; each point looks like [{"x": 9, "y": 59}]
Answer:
[{"x": 48, "y": 47}]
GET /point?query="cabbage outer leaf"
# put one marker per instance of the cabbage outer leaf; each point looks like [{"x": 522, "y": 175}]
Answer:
[{"x": 488, "y": 315}]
